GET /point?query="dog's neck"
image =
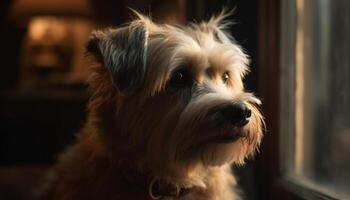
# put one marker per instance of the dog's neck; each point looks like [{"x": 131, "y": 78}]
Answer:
[
  {"x": 129, "y": 173},
  {"x": 195, "y": 180},
  {"x": 126, "y": 176}
]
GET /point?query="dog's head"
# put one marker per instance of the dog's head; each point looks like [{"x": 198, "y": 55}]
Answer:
[{"x": 173, "y": 96}]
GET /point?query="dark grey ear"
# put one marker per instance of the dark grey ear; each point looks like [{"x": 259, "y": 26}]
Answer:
[{"x": 123, "y": 51}]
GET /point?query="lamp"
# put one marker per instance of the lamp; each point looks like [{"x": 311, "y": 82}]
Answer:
[{"x": 56, "y": 32}]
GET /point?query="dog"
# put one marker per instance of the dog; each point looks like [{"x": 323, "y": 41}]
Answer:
[{"x": 167, "y": 117}]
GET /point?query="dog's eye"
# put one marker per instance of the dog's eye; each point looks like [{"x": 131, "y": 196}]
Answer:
[
  {"x": 180, "y": 78},
  {"x": 225, "y": 77}
]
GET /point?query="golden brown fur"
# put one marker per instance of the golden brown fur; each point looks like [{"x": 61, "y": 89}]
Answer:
[{"x": 159, "y": 131}]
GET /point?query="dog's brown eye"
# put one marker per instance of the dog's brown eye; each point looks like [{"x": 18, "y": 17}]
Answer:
[
  {"x": 180, "y": 78},
  {"x": 225, "y": 77}
]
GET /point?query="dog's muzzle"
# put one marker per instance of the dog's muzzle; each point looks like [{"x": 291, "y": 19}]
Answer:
[
  {"x": 237, "y": 114},
  {"x": 229, "y": 120}
]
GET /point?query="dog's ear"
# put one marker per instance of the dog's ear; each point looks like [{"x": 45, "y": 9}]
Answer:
[{"x": 123, "y": 52}]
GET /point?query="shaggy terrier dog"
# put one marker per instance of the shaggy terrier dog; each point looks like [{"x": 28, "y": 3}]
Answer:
[{"x": 168, "y": 115}]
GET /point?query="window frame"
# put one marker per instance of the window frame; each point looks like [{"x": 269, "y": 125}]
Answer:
[{"x": 277, "y": 37}]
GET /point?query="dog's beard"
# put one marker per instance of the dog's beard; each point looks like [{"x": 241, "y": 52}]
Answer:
[{"x": 208, "y": 149}]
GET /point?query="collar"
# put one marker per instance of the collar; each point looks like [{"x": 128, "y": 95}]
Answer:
[{"x": 157, "y": 188}]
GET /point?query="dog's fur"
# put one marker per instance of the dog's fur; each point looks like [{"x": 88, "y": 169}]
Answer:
[{"x": 142, "y": 126}]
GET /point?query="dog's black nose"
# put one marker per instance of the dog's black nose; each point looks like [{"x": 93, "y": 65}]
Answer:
[{"x": 237, "y": 114}]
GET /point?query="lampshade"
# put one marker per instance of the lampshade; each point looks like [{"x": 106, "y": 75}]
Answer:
[{"x": 22, "y": 10}]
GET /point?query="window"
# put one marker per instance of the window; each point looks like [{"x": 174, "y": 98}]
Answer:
[{"x": 315, "y": 95}]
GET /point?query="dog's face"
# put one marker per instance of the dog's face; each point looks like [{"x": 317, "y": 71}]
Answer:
[{"x": 174, "y": 96}]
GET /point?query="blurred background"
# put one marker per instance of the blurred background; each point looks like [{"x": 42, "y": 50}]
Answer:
[{"x": 300, "y": 68}]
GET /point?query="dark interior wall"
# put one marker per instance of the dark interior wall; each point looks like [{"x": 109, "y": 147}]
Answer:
[{"x": 10, "y": 40}]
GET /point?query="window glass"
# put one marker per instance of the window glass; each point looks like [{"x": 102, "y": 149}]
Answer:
[{"x": 315, "y": 94}]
